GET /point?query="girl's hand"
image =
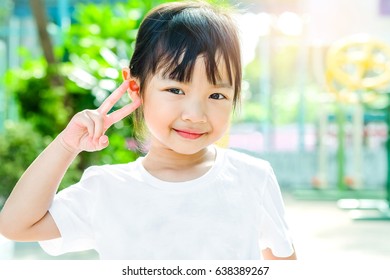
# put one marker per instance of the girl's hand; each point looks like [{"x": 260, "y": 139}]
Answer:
[{"x": 86, "y": 130}]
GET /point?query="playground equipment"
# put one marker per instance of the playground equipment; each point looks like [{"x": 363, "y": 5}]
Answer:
[{"x": 358, "y": 72}]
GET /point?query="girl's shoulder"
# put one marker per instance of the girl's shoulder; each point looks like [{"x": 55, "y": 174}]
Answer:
[
  {"x": 110, "y": 170},
  {"x": 246, "y": 158},
  {"x": 250, "y": 170}
]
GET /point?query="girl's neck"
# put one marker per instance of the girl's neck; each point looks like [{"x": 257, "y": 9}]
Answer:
[{"x": 168, "y": 165}]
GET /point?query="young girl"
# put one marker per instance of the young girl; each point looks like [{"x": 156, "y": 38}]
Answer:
[{"x": 187, "y": 198}]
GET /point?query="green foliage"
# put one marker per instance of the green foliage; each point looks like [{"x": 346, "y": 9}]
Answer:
[
  {"x": 39, "y": 102},
  {"x": 19, "y": 146},
  {"x": 252, "y": 74},
  {"x": 251, "y": 112}
]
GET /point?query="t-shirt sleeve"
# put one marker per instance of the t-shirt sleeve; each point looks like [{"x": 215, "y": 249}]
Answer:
[
  {"x": 274, "y": 230},
  {"x": 72, "y": 210}
]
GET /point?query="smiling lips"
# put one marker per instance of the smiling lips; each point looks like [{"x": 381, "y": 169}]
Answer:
[{"x": 188, "y": 134}]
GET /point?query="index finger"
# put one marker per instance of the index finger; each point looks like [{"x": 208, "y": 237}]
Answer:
[
  {"x": 113, "y": 98},
  {"x": 122, "y": 113}
]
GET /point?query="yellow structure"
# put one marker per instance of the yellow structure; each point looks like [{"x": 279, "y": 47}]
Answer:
[{"x": 358, "y": 68}]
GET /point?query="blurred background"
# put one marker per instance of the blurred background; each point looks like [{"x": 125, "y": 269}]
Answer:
[{"x": 315, "y": 103}]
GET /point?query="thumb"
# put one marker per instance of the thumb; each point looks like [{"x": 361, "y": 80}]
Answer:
[{"x": 103, "y": 141}]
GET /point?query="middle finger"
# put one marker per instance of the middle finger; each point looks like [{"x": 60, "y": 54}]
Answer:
[{"x": 113, "y": 98}]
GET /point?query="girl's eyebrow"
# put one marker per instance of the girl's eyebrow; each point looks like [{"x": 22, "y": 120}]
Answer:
[
  {"x": 221, "y": 84},
  {"x": 168, "y": 79}
]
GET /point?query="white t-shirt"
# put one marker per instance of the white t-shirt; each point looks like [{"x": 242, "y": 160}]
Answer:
[{"x": 123, "y": 212}]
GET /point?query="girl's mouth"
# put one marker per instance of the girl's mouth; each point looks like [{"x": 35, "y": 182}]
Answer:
[{"x": 188, "y": 134}]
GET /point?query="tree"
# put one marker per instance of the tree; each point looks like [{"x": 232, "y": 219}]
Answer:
[{"x": 39, "y": 12}]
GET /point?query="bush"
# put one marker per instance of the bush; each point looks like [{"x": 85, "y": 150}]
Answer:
[{"x": 19, "y": 146}]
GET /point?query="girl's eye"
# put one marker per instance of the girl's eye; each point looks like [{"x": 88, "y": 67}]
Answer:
[
  {"x": 217, "y": 96},
  {"x": 175, "y": 91}
]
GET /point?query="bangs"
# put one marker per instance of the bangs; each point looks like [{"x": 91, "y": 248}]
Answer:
[
  {"x": 179, "y": 67},
  {"x": 191, "y": 33},
  {"x": 185, "y": 40}
]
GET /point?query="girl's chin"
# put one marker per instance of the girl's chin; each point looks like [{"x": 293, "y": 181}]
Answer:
[
  {"x": 184, "y": 146},
  {"x": 188, "y": 148}
]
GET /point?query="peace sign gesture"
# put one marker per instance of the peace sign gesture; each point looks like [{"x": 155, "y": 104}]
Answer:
[{"x": 86, "y": 130}]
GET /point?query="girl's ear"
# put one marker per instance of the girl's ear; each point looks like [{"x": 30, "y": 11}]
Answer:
[
  {"x": 133, "y": 83},
  {"x": 126, "y": 73}
]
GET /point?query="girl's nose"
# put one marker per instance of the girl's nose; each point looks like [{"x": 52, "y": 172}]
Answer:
[{"x": 194, "y": 111}]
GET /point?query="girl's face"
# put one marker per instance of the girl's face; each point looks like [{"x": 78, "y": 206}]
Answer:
[{"x": 187, "y": 117}]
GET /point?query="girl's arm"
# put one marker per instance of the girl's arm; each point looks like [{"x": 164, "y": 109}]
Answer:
[
  {"x": 25, "y": 215},
  {"x": 268, "y": 255}
]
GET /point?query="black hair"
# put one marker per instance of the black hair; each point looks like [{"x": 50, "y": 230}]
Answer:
[{"x": 173, "y": 35}]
